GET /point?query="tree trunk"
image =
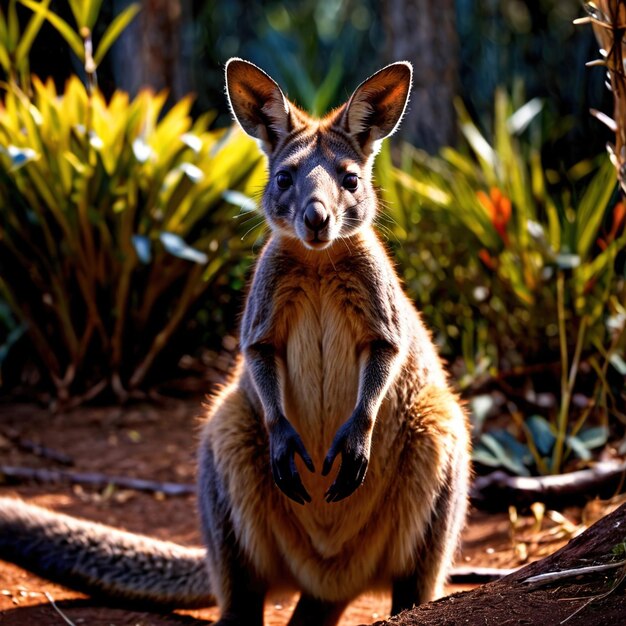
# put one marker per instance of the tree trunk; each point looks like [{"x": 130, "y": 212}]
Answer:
[
  {"x": 424, "y": 33},
  {"x": 152, "y": 50}
]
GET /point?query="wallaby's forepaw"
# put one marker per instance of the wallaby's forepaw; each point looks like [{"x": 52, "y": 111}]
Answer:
[
  {"x": 285, "y": 443},
  {"x": 354, "y": 446}
]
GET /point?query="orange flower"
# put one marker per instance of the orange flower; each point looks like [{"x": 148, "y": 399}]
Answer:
[
  {"x": 619, "y": 217},
  {"x": 499, "y": 208}
]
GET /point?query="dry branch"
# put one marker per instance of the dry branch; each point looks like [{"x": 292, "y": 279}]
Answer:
[{"x": 498, "y": 490}]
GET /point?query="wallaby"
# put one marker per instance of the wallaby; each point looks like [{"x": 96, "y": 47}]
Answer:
[{"x": 335, "y": 363}]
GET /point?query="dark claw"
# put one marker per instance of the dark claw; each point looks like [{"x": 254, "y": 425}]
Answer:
[
  {"x": 285, "y": 443},
  {"x": 348, "y": 480},
  {"x": 354, "y": 461}
]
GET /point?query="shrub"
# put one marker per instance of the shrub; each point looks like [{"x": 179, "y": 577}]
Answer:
[
  {"x": 531, "y": 285},
  {"x": 114, "y": 223}
]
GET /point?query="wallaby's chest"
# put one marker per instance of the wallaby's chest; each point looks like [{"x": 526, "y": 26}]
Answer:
[{"x": 320, "y": 355}]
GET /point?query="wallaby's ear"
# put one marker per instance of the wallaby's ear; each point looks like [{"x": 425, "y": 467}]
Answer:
[
  {"x": 376, "y": 107},
  {"x": 257, "y": 102}
]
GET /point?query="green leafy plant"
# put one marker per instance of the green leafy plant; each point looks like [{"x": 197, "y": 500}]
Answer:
[
  {"x": 537, "y": 289},
  {"x": 116, "y": 219},
  {"x": 114, "y": 223},
  {"x": 498, "y": 447}
]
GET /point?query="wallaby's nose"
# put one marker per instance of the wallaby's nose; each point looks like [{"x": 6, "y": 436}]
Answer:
[{"x": 315, "y": 216}]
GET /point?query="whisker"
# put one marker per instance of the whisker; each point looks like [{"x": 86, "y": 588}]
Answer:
[
  {"x": 388, "y": 217},
  {"x": 346, "y": 243},
  {"x": 250, "y": 218},
  {"x": 384, "y": 230},
  {"x": 390, "y": 234},
  {"x": 254, "y": 227},
  {"x": 248, "y": 214}
]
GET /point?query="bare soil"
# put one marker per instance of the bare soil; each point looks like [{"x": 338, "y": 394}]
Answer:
[{"x": 158, "y": 442}]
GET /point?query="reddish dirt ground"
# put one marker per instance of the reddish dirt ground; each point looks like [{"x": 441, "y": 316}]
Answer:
[{"x": 158, "y": 443}]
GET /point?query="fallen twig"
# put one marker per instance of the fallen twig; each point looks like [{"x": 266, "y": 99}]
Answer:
[
  {"x": 595, "y": 598},
  {"x": 94, "y": 479},
  {"x": 28, "y": 445},
  {"x": 549, "y": 577},
  {"x": 65, "y": 618}
]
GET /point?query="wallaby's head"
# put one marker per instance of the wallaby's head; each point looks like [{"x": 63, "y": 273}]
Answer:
[{"x": 319, "y": 186}]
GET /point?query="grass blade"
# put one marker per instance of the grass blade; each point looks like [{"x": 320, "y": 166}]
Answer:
[
  {"x": 91, "y": 11},
  {"x": 114, "y": 31}
]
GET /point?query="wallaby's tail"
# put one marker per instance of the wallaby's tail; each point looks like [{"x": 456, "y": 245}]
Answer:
[{"x": 100, "y": 560}]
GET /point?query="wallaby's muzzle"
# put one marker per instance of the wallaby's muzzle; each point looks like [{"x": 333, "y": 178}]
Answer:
[{"x": 316, "y": 219}]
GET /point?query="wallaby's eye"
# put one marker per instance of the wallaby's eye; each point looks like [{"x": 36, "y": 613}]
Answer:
[
  {"x": 284, "y": 180},
  {"x": 350, "y": 182}
]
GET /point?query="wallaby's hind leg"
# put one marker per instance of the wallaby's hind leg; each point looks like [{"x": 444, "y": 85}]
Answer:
[
  {"x": 240, "y": 593},
  {"x": 313, "y": 612},
  {"x": 439, "y": 544}
]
